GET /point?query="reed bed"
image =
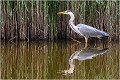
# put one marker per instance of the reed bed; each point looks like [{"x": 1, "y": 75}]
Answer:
[{"x": 35, "y": 20}]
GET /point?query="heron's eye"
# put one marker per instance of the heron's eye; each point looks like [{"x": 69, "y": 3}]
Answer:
[
  {"x": 65, "y": 11},
  {"x": 68, "y": 10}
]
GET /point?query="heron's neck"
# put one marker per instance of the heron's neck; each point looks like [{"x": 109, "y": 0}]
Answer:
[
  {"x": 71, "y": 63},
  {"x": 71, "y": 21},
  {"x": 72, "y": 66}
]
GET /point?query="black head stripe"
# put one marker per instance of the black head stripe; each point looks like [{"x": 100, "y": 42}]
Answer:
[{"x": 68, "y": 10}]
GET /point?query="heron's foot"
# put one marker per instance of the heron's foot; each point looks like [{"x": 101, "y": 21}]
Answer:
[
  {"x": 65, "y": 72},
  {"x": 75, "y": 40}
]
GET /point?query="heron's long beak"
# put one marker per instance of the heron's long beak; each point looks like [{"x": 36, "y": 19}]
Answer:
[{"x": 61, "y": 13}]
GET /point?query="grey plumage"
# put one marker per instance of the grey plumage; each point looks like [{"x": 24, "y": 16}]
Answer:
[
  {"x": 89, "y": 31},
  {"x": 87, "y": 54},
  {"x": 84, "y": 30}
]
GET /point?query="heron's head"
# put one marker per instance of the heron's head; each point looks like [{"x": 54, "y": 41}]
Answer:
[{"x": 65, "y": 12}]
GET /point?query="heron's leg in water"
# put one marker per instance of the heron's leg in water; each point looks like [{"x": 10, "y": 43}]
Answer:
[
  {"x": 86, "y": 40},
  {"x": 75, "y": 40},
  {"x": 96, "y": 41},
  {"x": 95, "y": 44}
]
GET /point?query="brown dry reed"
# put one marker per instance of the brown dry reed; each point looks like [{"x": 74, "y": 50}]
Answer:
[{"x": 37, "y": 20}]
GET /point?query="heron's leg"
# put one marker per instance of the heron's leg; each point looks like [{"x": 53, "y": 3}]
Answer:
[
  {"x": 86, "y": 40},
  {"x": 95, "y": 44}
]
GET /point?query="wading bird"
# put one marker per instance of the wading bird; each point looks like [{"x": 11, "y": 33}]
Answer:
[
  {"x": 83, "y": 54},
  {"x": 85, "y": 30}
]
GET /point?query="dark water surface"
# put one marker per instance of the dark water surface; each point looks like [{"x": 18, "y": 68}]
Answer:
[{"x": 59, "y": 60}]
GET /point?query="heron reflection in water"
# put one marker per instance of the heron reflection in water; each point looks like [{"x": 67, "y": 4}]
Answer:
[
  {"x": 83, "y": 54},
  {"x": 84, "y": 30}
]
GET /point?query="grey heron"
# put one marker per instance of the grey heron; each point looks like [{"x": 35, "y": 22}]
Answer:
[
  {"x": 85, "y": 30},
  {"x": 83, "y": 54}
]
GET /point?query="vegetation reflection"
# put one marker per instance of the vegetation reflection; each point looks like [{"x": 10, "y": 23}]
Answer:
[
  {"x": 42, "y": 60},
  {"x": 83, "y": 54}
]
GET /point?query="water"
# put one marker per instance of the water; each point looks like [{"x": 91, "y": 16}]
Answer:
[{"x": 50, "y": 60}]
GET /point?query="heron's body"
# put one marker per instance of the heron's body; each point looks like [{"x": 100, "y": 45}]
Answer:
[
  {"x": 82, "y": 29},
  {"x": 89, "y": 31},
  {"x": 84, "y": 54}
]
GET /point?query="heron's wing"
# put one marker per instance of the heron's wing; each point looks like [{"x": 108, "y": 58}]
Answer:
[
  {"x": 90, "y": 53},
  {"x": 89, "y": 31}
]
